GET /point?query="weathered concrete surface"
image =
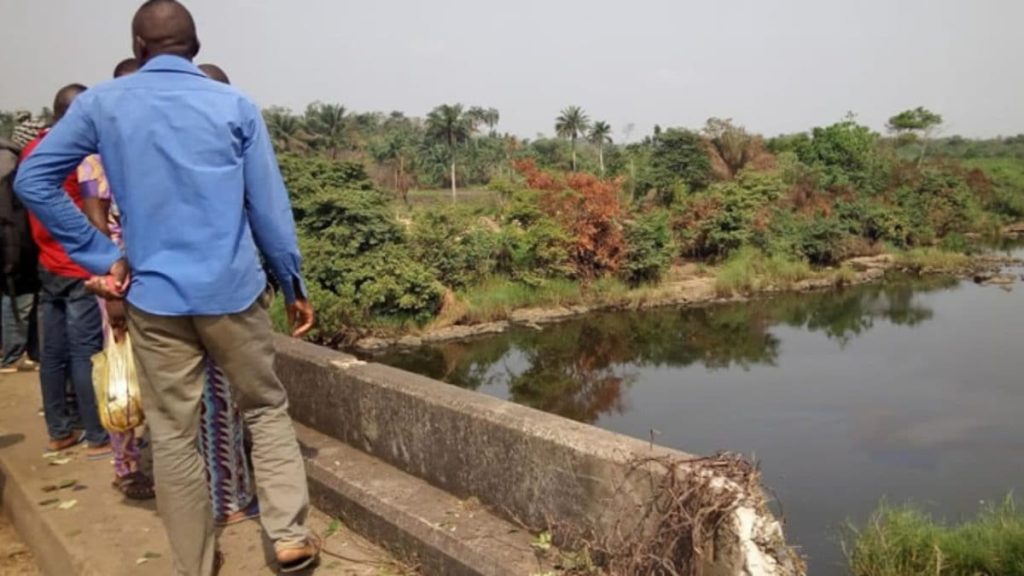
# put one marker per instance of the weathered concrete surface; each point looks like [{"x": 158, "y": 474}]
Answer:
[
  {"x": 422, "y": 525},
  {"x": 531, "y": 467},
  {"x": 104, "y": 535},
  {"x": 15, "y": 557}
]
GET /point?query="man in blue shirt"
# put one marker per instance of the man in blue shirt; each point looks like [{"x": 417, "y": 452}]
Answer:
[{"x": 195, "y": 176}]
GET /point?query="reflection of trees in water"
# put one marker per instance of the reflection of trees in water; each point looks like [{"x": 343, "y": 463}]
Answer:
[
  {"x": 843, "y": 315},
  {"x": 577, "y": 369}
]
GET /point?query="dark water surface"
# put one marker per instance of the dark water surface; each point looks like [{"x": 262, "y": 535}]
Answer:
[{"x": 909, "y": 390}]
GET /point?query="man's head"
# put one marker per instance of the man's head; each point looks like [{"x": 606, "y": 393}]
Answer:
[
  {"x": 215, "y": 73},
  {"x": 126, "y": 67},
  {"x": 62, "y": 101},
  {"x": 164, "y": 27}
]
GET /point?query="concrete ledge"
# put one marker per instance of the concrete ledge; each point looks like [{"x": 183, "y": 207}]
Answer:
[
  {"x": 525, "y": 463},
  {"x": 51, "y": 554},
  {"x": 533, "y": 468},
  {"x": 418, "y": 523}
]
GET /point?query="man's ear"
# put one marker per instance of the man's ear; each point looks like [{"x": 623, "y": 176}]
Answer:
[{"x": 139, "y": 49}]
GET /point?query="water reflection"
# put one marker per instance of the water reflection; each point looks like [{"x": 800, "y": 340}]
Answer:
[{"x": 579, "y": 369}]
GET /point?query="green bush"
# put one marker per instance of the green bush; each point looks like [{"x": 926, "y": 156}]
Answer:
[
  {"x": 739, "y": 203},
  {"x": 455, "y": 245},
  {"x": 649, "y": 248},
  {"x": 539, "y": 251},
  {"x": 358, "y": 263},
  {"x": 821, "y": 240},
  {"x": 847, "y": 154}
]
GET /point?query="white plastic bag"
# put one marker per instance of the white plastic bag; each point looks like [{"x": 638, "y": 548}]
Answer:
[{"x": 118, "y": 397}]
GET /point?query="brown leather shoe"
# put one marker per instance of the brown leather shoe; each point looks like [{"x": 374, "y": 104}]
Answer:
[{"x": 300, "y": 557}]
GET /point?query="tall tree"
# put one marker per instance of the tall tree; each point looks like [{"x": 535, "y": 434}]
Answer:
[
  {"x": 327, "y": 122},
  {"x": 600, "y": 134},
  {"x": 731, "y": 144},
  {"x": 487, "y": 116},
  {"x": 679, "y": 161},
  {"x": 448, "y": 124},
  {"x": 397, "y": 139},
  {"x": 917, "y": 124},
  {"x": 283, "y": 127},
  {"x": 572, "y": 123}
]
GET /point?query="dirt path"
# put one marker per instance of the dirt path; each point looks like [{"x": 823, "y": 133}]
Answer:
[{"x": 15, "y": 558}]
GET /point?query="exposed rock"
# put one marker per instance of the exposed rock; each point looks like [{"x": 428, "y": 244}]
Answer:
[
  {"x": 544, "y": 315},
  {"x": 989, "y": 279},
  {"x": 410, "y": 341},
  {"x": 879, "y": 262},
  {"x": 372, "y": 344},
  {"x": 460, "y": 332}
]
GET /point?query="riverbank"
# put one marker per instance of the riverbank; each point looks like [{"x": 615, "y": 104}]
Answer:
[{"x": 684, "y": 285}]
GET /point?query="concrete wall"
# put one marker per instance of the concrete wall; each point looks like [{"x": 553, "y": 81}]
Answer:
[{"x": 529, "y": 466}]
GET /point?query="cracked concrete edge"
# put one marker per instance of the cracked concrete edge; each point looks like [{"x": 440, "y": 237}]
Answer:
[{"x": 52, "y": 555}]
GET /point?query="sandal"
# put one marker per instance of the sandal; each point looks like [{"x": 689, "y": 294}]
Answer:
[
  {"x": 295, "y": 559},
  {"x": 250, "y": 512},
  {"x": 98, "y": 451},
  {"x": 65, "y": 443},
  {"x": 135, "y": 486}
]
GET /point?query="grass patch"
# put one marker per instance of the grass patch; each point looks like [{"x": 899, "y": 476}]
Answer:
[
  {"x": 932, "y": 259},
  {"x": 749, "y": 270},
  {"x": 497, "y": 298},
  {"x": 903, "y": 541}
]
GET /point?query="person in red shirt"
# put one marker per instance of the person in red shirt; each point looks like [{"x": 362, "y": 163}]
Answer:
[{"x": 71, "y": 323}]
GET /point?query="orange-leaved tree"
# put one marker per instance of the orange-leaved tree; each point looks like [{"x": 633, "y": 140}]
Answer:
[{"x": 589, "y": 209}]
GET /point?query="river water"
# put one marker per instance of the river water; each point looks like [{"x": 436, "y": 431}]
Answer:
[{"x": 908, "y": 391}]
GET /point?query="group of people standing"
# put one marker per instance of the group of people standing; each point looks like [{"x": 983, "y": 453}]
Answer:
[{"x": 108, "y": 188}]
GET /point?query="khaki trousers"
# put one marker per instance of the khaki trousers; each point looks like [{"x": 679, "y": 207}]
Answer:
[{"x": 170, "y": 357}]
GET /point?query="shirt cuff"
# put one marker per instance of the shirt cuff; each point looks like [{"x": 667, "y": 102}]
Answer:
[{"x": 286, "y": 268}]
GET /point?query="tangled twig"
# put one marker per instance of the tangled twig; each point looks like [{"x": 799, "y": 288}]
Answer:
[{"x": 689, "y": 500}]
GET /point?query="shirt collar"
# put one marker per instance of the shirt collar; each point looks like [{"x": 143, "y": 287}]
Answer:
[{"x": 170, "y": 63}]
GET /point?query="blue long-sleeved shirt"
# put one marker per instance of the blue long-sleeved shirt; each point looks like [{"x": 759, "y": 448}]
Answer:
[{"x": 193, "y": 171}]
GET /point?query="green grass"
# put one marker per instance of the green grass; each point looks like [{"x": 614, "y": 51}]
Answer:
[
  {"x": 903, "y": 541},
  {"x": 497, "y": 298},
  {"x": 932, "y": 259},
  {"x": 749, "y": 270}
]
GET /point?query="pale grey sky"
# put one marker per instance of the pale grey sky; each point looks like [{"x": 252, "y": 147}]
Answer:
[{"x": 772, "y": 65}]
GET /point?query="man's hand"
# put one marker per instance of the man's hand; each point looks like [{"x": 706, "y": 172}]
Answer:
[
  {"x": 300, "y": 317},
  {"x": 118, "y": 319},
  {"x": 114, "y": 285}
]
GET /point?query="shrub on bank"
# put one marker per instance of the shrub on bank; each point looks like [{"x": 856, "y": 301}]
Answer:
[
  {"x": 461, "y": 248},
  {"x": 649, "y": 248}
]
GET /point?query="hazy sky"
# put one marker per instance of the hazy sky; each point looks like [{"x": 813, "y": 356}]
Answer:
[{"x": 772, "y": 65}]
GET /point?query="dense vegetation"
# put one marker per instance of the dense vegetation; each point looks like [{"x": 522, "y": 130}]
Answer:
[
  {"x": 903, "y": 541},
  {"x": 554, "y": 219}
]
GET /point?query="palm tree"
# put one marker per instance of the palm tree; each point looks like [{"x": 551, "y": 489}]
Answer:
[
  {"x": 328, "y": 123},
  {"x": 572, "y": 124},
  {"x": 600, "y": 134},
  {"x": 283, "y": 126},
  {"x": 487, "y": 116},
  {"x": 449, "y": 125}
]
